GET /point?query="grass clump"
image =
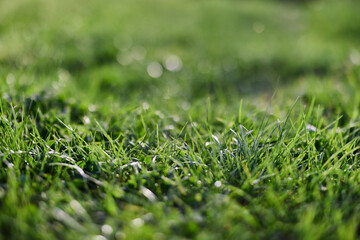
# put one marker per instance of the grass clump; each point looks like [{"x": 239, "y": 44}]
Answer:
[{"x": 249, "y": 128}]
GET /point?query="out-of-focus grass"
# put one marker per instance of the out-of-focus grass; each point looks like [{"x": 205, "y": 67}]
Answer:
[
  {"x": 179, "y": 119},
  {"x": 223, "y": 45}
]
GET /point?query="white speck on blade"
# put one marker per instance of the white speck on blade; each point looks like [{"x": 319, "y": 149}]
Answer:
[
  {"x": 355, "y": 57},
  {"x": 92, "y": 108},
  {"x": 217, "y": 184},
  {"x": 323, "y": 188},
  {"x": 78, "y": 209},
  {"x": 145, "y": 106},
  {"x": 137, "y": 222},
  {"x": 216, "y": 139},
  {"x": 138, "y": 53},
  {"x": 106, "y": 229},
  {"x": 80, "y": 171},
  {"x": 86, "y": 120},
  {"x": 148, "y": 194},
  {"x": 155, "y": 70},
  {"x": 63, "y": 75},
  {"x": 311, "y": 128},
  {"x": 62, "y": 216},
  {"x": 169, "y": 127},
  {"x": 173, "y": 63},
  {"x": 10, "y": 79},
  {"x": 124, "y": 58},
  {"x": 256, "y": 181}
]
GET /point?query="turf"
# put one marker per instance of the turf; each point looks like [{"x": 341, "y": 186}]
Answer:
[{"x": 179, "y": 119}]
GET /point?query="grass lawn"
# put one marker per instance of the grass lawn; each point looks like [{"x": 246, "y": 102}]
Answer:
[{"x": 165, "y": 119}]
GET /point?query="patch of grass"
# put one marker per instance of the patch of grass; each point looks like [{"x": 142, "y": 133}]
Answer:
[{"x": 253, "y": 135}]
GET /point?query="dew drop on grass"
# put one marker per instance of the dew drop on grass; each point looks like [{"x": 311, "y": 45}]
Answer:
[
  {"x": 92, "y": 108},
  {"x": 76, "y": 206},
  {"x": 311, "y": 128},
  {"x": 137, "y": 222},
  {"x": 176, "y": 118},
  {"x": 159, "y": 114},
  {"x": 43, "y": 195},
  {"x": 138, "y": 53},
  {"x": 355, "y": 57},
  {"x": 63, "y": 75},
  {"x": 106, "y": 229},
  {"x": 124, "y": 58},
  {"x": 185, "y": 105},
  {"x": 216, "y": 139},
  {"x": 86, "y": 120},
  {"x": 145, "y": 106},
  {"x": 173, "y": 63},
  {"x": 10, "y": 79},
  {"x": 148, "y": 194},
  {"x": 169, "y": 127},
  {"x": 323, "y": 188},
  {"x": 155, "y": 70},
  {"x": 217, "y": 184},
  {"x": 148, "y": 217}
]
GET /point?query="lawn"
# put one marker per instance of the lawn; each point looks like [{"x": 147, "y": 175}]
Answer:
[{"x": 165, "y": 119}]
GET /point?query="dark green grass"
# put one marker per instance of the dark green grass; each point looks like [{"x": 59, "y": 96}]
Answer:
[{"x": 256, "y": 137}]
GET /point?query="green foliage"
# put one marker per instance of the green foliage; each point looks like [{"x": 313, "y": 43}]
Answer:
[{"x": 179, "y": 119}]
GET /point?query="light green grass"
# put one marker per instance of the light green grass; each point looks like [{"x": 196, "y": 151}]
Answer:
[{"x": 256, "y": 137}]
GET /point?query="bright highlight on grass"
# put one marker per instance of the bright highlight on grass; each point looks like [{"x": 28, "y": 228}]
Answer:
[{"x": 154, "y": 70}]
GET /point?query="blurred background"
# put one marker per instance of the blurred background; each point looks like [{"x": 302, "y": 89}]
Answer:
[{"x": 132, "y": 50}]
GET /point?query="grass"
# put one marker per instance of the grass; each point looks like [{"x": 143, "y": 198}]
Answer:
[{"x": 252, "y": 132}]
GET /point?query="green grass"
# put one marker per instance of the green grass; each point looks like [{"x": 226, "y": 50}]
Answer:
[{"x": 256, "y": 136}]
